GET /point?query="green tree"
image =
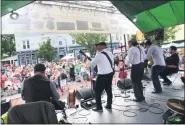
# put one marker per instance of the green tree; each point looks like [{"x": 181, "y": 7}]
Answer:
[
  {"x": 7, "y": 45},
  {"x": 169, "y": 35},
  {"x": 133, "y": 36},
  {"x": 46, "y": 51},
  {"x": 88, "y": 40}
]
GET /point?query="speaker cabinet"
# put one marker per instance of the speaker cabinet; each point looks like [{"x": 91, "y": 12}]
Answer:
[
  {"x": 159, "y": 34},
  {"x": 84, "y": 93},
  {"x": 124, "y": 84},
  {"x": 5, "y": 106}
]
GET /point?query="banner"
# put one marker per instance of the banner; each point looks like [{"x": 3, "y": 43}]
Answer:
[
  {"x": 140, "y": 36},
  {"x": 39, "y": 18}
]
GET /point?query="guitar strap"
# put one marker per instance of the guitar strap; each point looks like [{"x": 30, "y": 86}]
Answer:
[{"x": 109, "y": 60}]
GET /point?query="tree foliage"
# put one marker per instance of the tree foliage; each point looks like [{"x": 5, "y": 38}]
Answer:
[
  {"x": 133, "y": 36},
  {"x": 7, "y": 45},
  {"x": 169, "y": 33},
  {"x": 88, "y": 40},
  {"x": 46, "y": 51}
]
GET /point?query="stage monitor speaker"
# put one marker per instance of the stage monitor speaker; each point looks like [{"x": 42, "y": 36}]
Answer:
[
  {"x": 124, "y": 84},
  {"x": 84, "y": 93},
  {"x": 147, "y": 76},
  {"x": 159, "y": 34}
]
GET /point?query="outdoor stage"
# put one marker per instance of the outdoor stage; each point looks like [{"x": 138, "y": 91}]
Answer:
[{"x": 124, "y": 110}]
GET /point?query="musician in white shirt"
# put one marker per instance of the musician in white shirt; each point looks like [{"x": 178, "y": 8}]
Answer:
[
  {"x": 157, "y": 55},
  {"x": 136, "y": 56},
  {"x": 104, "y": 60}
]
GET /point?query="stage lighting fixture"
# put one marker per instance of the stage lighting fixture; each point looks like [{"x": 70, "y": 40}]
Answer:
[
  {"x": 135, "y": 20},
  {"x": 14, "y": 15}
]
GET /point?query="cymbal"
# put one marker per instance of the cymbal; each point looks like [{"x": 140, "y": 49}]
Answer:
[{"x": 176, "y": 105}]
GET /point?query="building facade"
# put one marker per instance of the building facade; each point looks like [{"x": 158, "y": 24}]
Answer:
[{"x": 27, "y": 45}]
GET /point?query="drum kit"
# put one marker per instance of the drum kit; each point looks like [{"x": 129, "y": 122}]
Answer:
[{"x": 176, "y": 112}]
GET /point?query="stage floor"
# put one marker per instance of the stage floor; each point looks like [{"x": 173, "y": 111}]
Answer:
[{"x": 125, "y": 110}]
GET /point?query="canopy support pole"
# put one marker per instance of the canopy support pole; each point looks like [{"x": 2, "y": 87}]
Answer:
[
  {"x": 125, "y": 43},
  {"x": 184, "y": 60},
  {"x": 111, "y": 43}
]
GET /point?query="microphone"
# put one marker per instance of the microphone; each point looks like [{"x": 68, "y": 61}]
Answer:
[{"x": 81, "y": 52}]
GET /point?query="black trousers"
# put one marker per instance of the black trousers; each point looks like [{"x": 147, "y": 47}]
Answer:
[
  {"x": 167, "y": 71},
  {"x": 72, "y": 76},
  {"x": 137, "y": 72},
  {"x": 103, "y": 82}
]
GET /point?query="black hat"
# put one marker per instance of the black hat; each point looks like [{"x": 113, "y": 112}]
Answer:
[
  {"x": 173, "y": 48},
  {"x": 39, "y": 68},
  {"x": 133, "y": 41},
  {"x": 101, "y": 43}
]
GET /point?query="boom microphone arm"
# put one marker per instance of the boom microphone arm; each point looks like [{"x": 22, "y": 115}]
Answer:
[{"x": 81, "y": 52}]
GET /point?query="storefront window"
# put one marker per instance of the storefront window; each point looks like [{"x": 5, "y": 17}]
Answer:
[
  {"x": 60, "y": 42},
  {"x": 24, "y": 45},
  {"x": 28, "y": 44}
]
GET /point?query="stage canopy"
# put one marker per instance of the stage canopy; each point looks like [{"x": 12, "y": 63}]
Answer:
[
  {"x": 64, "y": 17},
  {"x": 152, "y": 14}
]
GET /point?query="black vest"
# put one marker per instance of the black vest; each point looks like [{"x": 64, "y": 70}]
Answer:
[{"x": 36, "y": 88}]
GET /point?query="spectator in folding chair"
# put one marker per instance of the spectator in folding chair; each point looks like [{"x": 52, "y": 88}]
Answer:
[
  {"x": 33, "y": 113},
  {"x": 172, "y": 64}
]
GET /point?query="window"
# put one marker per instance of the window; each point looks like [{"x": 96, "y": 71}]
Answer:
[
  {"x": 70, "y": 51},
  {"x": 117, "y": 37},
  {"x": 24, "y": 45},
  {"x": 28, "y": 44},
  {"x": 61, "y": 50},
  {"x": 73, "y": 41},
  {"x": 60, "y": 42}
]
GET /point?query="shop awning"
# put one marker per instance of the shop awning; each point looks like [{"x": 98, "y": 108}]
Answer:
[{"x": 151, "y": 15}]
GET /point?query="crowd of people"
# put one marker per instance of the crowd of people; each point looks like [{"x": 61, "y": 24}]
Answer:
[{"x": 59, "y": 73}]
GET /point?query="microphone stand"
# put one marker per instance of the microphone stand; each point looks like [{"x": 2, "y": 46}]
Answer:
[
  {"x": 90, "y": 67},
  {"x": 124, "y": 90}
]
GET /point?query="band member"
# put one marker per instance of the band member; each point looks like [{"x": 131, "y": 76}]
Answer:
[
  {"x": 104, "y": 60},
  {"x": 136, "y": 56},
  {"x": 172, "y": 65},
  {"x": 157, "y": 55}
]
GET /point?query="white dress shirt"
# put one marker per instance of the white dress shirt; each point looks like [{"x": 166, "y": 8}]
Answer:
[
  {"x": 135, "y": 55},
  {"x": 157, "y": 55},
  {"x": 102, "y": 62}
]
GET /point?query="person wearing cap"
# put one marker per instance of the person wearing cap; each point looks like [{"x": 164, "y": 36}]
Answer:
[
  {"x": 158, "y": 66},
  {"x": 38, "y": 87},
  {"x": 104, "y": 61},
  {"x": 136, "y": 56},
  {"x": 172, "y": 65}
]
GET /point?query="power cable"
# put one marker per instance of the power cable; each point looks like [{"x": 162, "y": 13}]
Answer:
[{"x": 130, "y": 112}]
